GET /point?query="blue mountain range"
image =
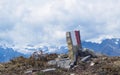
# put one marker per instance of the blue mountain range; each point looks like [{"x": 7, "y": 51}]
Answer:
[
  {"x": 110, "y": 47},
  {"x": 8, "y": 53}
]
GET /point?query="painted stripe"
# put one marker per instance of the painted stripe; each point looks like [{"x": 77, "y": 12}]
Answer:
[
  {"x": 73, "y": 38},
  {"x": 77, "y": 34}
]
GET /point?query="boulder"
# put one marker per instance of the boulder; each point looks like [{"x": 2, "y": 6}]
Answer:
[
  {"x": 85, "y": 52},
  {"x": 62, "y": 63},
  {"x": 52, "y": 62}
]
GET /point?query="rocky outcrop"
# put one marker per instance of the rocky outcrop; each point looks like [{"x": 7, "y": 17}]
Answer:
[{"x": 62, "y": 63}]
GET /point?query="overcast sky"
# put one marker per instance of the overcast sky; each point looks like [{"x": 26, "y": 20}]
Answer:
[{"x": 24, "y": 22}]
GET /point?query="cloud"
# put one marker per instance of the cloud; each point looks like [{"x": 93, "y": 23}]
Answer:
[{"x": 24, "y": 22}]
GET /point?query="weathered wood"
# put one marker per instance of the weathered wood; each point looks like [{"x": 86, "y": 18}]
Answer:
[
  {"x": 74, "y": 45},
  {"x": 70, "y": 45},
  {"x": 78, "y": 39}
]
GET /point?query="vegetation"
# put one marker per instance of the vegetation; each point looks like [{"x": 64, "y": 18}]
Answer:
[{"x": 102, "y": 65}]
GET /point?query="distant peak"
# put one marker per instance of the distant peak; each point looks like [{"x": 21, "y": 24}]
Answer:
[{"x": 99, "y": 41}]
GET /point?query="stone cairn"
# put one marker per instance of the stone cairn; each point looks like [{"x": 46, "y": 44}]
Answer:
[{"x": 74, "y": 50}]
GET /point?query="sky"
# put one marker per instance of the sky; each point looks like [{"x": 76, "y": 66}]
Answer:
[{"x": 33, "y": 22}]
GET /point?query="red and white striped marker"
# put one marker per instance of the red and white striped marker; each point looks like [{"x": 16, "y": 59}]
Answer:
[{"x": 76, "y": 40}]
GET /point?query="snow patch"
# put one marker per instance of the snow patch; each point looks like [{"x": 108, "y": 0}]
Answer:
[
  {"x": 116, "y": 42},
  {"x": 99, "y": 39}
]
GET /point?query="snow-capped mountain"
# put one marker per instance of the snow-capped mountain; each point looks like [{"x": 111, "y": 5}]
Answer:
[
  {"x": 45, "y": 49},
  {"x": 109, "y": 47},
  {"x": 8, "y": 53}
]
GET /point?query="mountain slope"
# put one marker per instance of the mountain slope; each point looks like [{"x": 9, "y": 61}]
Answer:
[
  {"x": 8, "y": 53},
  {"x": 109, "y": 47}
]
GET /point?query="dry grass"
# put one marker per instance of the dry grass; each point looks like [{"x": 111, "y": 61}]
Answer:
[
  {"x": 102, "y": 66},
  {"x": 19, "y": 65}
]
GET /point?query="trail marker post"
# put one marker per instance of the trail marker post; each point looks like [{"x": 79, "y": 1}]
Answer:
[{"x": 74, "y": 45}]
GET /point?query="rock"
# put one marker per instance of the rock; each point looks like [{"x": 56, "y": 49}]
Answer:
[
  {"x": 52, "y": 62},
  {"x": 62, "y": 63},
  {"x": 92, "y": 64},
  {"x": 86, "y": 52},
  {"x": 62, "y": 56},
  {"x": 28, "y": 72},
  {"x": 86, "y": 58},
  {"x": 117, "y": 63},
  {"x": 1, "y": 65},
  {"x": 72, "y": 74},
  {"x": 51, "y": 69}
]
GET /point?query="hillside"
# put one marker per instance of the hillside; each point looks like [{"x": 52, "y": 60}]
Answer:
[
  {"x": 110, "y": 47},
  {"x": 100, "y": 65}
]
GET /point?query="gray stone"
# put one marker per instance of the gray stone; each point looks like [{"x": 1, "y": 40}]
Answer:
[
  {"x": 62, "y": 63},
  {"x": 27, "y": 72},
  {"x": 72, "y": 74},
  {"x": 52, "y": 62},
  {"x": 86, "y": 52},
  {"x": 51, "y": 69},
  {"x": 86, "y": 58}
]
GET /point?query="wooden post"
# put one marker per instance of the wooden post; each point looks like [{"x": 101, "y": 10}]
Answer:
[
  {"x": 74, "y": 45},
  {"x": 70, "y": 45}
]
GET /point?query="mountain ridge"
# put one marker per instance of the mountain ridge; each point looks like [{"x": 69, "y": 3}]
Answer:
[{"x": 110, "y": 47}]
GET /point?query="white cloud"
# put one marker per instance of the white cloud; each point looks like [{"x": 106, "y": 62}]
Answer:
[{"x": 46, "y": 21}]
